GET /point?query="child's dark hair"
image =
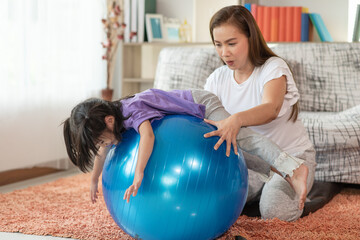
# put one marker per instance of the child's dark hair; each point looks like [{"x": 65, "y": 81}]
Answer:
[{"x": 84, "y": 127}]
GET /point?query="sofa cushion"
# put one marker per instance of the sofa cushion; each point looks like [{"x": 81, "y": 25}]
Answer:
[
  {"x": 185, "y": 67},
  {"x": 336, "y": 139},
  {"x": 326, "y": 74}
]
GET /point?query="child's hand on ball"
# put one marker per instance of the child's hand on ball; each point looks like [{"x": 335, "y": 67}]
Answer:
[{"x": 133, "y": 189}]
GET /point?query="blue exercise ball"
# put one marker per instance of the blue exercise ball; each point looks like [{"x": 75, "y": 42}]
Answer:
[{"x": 189, "y": 190}]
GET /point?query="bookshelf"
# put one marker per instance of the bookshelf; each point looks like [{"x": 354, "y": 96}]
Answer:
[{"x": 139, "y": 62}]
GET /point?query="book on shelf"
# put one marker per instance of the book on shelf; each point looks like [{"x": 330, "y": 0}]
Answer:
[
  {"x": 282, "y": 24},
  {"x": 248, "y": 6},
  {"x": 274, "y": 24},
  {"x": 320, "y": 27},
  {"x": 305, "y": 30},
  {"x": 134, "y": 20},
  {"x": 260, "y": 18},
  {"x": 141, "y": 21},
  {"x": 127, "y": 15},
  {"x": 356, "y": 33},
  {"x": 296, "y": 30},
  {"x": 304, "y": 27},
  {"x": 148, "y": 6},
  {"x": 253, "y": 11},
  {"x": 289, "y": 24},
  {"x": 267, "y": 24}
]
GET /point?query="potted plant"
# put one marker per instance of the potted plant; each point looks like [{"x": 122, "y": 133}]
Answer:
[{"x": 114, "y": 29}]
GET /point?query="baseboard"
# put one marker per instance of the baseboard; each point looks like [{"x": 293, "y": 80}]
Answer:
[
  {"x": 17, "y": 175},
  {"x": 63, "y": 164}
]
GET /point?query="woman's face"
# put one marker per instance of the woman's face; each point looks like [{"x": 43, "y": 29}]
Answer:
[{"x": 232, "y": 46}]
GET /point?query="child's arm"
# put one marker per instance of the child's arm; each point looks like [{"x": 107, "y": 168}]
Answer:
[
  {"x": 97, "y": 169},
  {"x": 145, "y": 149}
]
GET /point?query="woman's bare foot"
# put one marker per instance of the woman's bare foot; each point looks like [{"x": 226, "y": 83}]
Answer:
[{"x": 298, "y": 183}]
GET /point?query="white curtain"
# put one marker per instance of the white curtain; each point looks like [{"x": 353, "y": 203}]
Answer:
[{"x": 50, "y": 59}]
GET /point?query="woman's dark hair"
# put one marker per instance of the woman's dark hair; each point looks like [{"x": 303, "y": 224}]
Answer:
[
  {"x": 84, "y": 127},
  {"x": 259, "y": 52}
]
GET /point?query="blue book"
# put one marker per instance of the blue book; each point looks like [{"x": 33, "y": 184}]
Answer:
[
  {"x": 320, "y": 27},
  {"x": 248, "y": 6},
  {"x": 304, "y": 27}
]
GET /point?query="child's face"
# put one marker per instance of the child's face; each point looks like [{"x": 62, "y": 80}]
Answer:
[{"x": 107, "y": 139}]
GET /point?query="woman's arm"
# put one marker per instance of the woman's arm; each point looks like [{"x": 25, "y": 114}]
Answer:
[
  {"x": 146, "y": 145},
  {"x": 268, "y": 110},
  {"x": 97, "y": 169}
]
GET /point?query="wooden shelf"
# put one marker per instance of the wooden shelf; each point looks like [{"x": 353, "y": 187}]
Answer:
[
  {"x": 138, "y": 80},
  {"x": 139, "y": 63}
]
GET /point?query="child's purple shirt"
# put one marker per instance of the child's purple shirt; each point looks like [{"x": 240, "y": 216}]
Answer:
[{"x": 154, "y": 104}]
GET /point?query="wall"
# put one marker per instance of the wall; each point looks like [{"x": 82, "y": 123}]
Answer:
[
  {"x": 51, "y": 59},
  {"x": 32, "y": 137},
  {"x": 176, "y": 9},
  {"x": 203, "y": 11}
]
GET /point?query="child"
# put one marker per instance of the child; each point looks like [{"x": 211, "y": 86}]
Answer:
[{"x": 95, "y": 125}]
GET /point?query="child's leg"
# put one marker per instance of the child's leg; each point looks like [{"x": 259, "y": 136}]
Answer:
[
  {"x": 249, "y": 141},
  {"x": 278, "y": 199}
]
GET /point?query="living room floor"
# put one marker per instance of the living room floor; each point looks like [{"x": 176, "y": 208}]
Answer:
[{"x": 28, "y": 183}]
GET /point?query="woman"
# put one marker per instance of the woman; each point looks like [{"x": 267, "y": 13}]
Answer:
[{"x": 257, "y": 88}]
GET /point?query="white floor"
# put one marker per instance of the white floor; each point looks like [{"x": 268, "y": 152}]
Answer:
[{"x": 27, "y": 183}]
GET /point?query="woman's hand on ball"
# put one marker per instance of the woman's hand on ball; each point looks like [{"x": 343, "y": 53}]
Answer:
[
  {"x": 133, "y": 189},
  {"x": 227, "y": 130}
]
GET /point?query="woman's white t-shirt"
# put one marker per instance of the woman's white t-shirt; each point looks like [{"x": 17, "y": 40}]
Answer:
[{"x": 290, "y": 136}]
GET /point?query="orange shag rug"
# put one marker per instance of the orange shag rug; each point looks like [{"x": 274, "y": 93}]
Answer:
[{"x": 62, "y": 208}]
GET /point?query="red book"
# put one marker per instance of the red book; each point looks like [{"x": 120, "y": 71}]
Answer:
[
  {"x": 289, "y": 13},
  {"x": 297, "y": 24},
  {"x": 267, "y": 23},
  {"x": 260, "y": 18},
  {"x": 274, "y": 33},
  {"x": 254, "y": 10},
  {"x": 282, "y": 24}
]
